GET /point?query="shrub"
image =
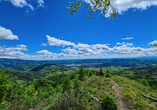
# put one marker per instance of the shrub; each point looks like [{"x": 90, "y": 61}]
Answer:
[
  {"x": 144, "y": 82},
  {"x": 107, "y": 73},
  {"x": 6, "y": 89},
  {"x": 108, "y": 103},
  {"x": 66, "y": 84},
  {"x": 90, "y": 73}
]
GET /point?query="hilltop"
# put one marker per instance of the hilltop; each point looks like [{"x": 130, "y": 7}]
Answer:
[{"x": 83, "y": 90}]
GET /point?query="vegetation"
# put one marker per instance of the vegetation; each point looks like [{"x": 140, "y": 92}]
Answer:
[
  {"x": 148, "y": 72},
  {"x": 107, "y": 73},
  {"x": 109, "y": 103},
  {"x": 73, "y": 92},
  {"x": 98, "y": 6},
  {"x": 144, "y": 82},
  {"x": 133, "y": 92}
]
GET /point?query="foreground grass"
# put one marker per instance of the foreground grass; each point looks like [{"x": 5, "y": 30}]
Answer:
[
  {"x": 133, "y": 92},
  {"x": 50, "y": 97}
]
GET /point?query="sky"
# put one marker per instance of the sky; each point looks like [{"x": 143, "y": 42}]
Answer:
[{"x": 44, "y": 30}]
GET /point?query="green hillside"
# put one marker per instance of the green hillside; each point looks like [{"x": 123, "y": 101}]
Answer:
[
  {"x": 148, "y": 72},
  {"x": 25, "y": 66},
  {"x": 81, "y": 90},
  {"x": 23, "y": 78}
]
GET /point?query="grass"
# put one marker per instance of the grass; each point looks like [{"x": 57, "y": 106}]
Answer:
[
  {"x": 133, "y": 91},
  {"x": 48, "y": 98}
]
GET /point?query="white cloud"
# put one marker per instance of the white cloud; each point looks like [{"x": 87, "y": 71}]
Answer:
[
  {"x": 26, "y": 3},
  {"x": 124, "y": 5},
  {"x": 127, "y": 38},
  {"x": 46, "y": 52},
  {"x": 86, "y": 50},
  {"x": 41, "y": 3},
  {"x": 79, "y": 45},
  {"x": 83, "y": 51},
  {"x": 70, "y": 51},
  {"x": 43, "y": 44},
  {"x": 13, "y": 52},
  {"x": 99, "y": 46},
  {"x": 52, "y": 41},
  {"x": 7, "y": 34},
  {"x": 125, "y": 44},
  {"x": 19, "y": 3}
]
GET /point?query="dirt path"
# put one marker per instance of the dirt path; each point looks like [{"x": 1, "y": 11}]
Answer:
[{"x": 122, "y": 103}]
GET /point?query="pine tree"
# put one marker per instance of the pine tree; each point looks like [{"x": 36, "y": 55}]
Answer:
[{"x": 82, "y": 73}]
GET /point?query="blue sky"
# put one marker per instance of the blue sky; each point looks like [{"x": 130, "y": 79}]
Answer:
[{"x": 44, "y": 30}]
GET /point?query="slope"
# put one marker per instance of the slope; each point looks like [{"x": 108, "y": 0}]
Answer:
[{"x": 71, "y": 93}]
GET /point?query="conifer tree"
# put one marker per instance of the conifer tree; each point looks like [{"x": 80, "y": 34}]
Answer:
[{"x": 82, "y": 73}]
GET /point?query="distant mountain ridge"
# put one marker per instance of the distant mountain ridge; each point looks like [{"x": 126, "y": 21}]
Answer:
[
  {"x": 41, "y": 67},
  {"x": 25, "y": 65}
]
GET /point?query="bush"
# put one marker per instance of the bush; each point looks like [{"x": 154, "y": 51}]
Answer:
[
  {"x": 6, "y": 89},
  {"x": 144, "y": 82},
  {"x": 108, "y": 103},
  {"x": 66, "y": 84},
  {"x": 108, "y": 74},
  {"x": 90, "y": 73}
]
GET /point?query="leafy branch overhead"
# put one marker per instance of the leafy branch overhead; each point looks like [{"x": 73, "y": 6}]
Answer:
[
  {"x": 102, "y": 6},
  {"x": 155, "y": 45}
]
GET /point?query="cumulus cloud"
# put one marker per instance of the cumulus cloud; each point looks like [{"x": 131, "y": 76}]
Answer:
[
  {"x": 127, "y": 38},
  {"x": 46, "y": 52},
  {"x": 52, "y": 41},
  {"x": 79, "y": 45},
  {"x": 70, "y": 51},
  {"x": 126, "y": 49},
  {"x": 25, "y": 3},
  {"x": 7, "y": 34},
  {"x": 124, "y": 5},
  {"x": 99, "y": 46},
  {"x": 13, "y": 52},
  {"x": 83, "y": 51}
]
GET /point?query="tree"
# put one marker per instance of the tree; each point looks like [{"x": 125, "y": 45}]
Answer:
[
  {"x": 82, "y": 73},
  {"x": 102, "y": 6},
  {"x": 6, "y": 89}
]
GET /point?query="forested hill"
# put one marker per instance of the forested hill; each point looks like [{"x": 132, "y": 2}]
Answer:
[
  {"x": 10, "y": 63},
  {"x": 25, "y": 66},
  {"x": 23, "y": 78},
  {"x": 118, "y": 61}
]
